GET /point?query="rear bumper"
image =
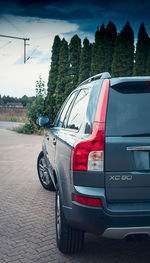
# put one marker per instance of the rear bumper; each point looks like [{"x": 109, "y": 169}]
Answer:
[
  {"x": 122, "y": 232},
  {"x": 101, "y": 221}
]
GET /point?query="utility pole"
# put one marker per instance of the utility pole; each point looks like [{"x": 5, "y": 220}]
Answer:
[
  {"x": 20, "y": 38},
  {"x": 25, "y": 44}
]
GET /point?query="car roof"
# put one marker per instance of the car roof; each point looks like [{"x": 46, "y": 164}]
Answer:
[{"x": 97, "y": 79}]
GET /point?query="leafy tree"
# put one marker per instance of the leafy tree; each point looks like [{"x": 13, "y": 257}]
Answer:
[
  {"x": 63, "y": 80},
  {"x": 98, "y": 52},
  {"x": 142, "y": 48},
  {"x": 85, "y": 61},
  {"x": 34, "y": 110},
  {"x": 26, "y": 100},
  {"x": 52, "y": 80},
  {"x": 122, "y": 64},
  {"x": 8, "y": 99},
  {"x": 37, "y": 108},
  {"x": 40, "y": 87},
  {"x": 74, "y": 60},
  {"x": 110, "y": 37}
]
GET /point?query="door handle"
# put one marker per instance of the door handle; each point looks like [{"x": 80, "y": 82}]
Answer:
[{"x": 54, "y": 141}]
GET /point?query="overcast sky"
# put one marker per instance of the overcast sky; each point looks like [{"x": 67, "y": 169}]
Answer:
[{"x": 41, "y": 21}]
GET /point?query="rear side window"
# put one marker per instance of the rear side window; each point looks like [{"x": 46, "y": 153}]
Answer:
[
  {"x": 128, "y": 111},
  {"x": 78, "y": 111},
  {"x": 61, "y": 116}
]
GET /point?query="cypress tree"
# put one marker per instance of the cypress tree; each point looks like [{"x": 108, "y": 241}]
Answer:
[
  {"x": 85, "y": 61},
  {"x": 122, "y": 64},
  {"x": 94, "y": 63},
  {"x": 52, "y": 79},
  {"x": 142, "y": 47},
  {"x": 148, "y": 61},
  {"x": 74, "y": 60},
  {"x": 98, "y": 52},
  {"x": 110, "y": 37},
  {"x": 63, "y": 75}
]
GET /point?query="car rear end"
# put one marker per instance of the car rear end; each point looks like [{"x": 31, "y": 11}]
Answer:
[{"x": 110, "y": 169}]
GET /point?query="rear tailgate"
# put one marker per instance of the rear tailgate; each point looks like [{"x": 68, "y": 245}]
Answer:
[{"x": 127, "y": 143}]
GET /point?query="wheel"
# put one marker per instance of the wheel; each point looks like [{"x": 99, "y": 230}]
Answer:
[
  {"x": 43, "y": 173},
  {"x": 68, "y": 239}
]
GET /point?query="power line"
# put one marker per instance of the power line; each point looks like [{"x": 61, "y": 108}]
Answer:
[
  {"x": 32, "y": 53},
  {"x": 20, "y": 38},
  {"x": 11, "y": 23},
  {"x": 6, "y": 44}
]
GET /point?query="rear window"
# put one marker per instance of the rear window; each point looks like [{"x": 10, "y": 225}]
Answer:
[{"x": 128, "y": 111}]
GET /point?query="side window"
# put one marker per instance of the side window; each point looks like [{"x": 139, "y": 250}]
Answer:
[
  {"x": 78, "y": 110},
  {"x": 63, "y": 111}
]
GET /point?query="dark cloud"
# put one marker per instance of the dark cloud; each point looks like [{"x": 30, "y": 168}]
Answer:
[
  {"x": 54, "y": 13},
  {"x": 87, "y": 13}
]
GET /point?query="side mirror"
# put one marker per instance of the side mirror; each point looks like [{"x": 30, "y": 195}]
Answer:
[{"x": 43, "y": 121}]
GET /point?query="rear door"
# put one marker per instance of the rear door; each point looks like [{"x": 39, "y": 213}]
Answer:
[
  {"x": 127, "y": 143},
  {"x": 51, "y": 136},
  {"x": 67, "y": 136}
]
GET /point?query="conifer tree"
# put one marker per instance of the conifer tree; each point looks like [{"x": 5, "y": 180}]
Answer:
[
  {"x": 85, "y": 61},
  {"x": 52, "y": 79},
  {"x": 122, "y": 64},
  {"x": 142, "y": 47},
  {"x": 98, "y": 52},
  {"x": 148, "y": 61},
  {"x": 74, "y": 60},
  {"x": 110, "y": 37},
  {"x": 63, "y": 79}
]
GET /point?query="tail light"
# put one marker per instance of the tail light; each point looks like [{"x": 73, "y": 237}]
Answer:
[
  {"x": 88, "y": 154},
  {"x": 88, "y": 201},
  {"x": 147, "y": 83}
]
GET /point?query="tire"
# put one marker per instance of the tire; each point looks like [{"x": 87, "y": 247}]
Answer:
[
  {"x": 43, "y": 173},
  {"x": 68, "y": 239}
]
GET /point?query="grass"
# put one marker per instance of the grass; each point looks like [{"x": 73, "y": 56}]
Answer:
[
  {"x": 13, "y": 116},
  {"x": 28, "y": 128}
]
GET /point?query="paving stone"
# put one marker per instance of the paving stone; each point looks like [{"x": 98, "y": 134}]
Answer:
[{"x": 27, "y": 224}]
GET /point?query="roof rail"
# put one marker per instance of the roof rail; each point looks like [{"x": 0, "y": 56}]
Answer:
[{"x": 104, "y": 75}]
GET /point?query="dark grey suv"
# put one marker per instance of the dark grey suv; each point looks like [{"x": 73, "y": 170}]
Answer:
[{"x": 97, "y": 157}]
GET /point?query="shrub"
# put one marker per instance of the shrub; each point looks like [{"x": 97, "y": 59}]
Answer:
[
  {"x": 34, "y": 110},
  {"x": 29, "y": 128}
]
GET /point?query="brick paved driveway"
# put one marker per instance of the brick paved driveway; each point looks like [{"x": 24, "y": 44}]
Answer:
[{"x": 27, "y": 232}]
